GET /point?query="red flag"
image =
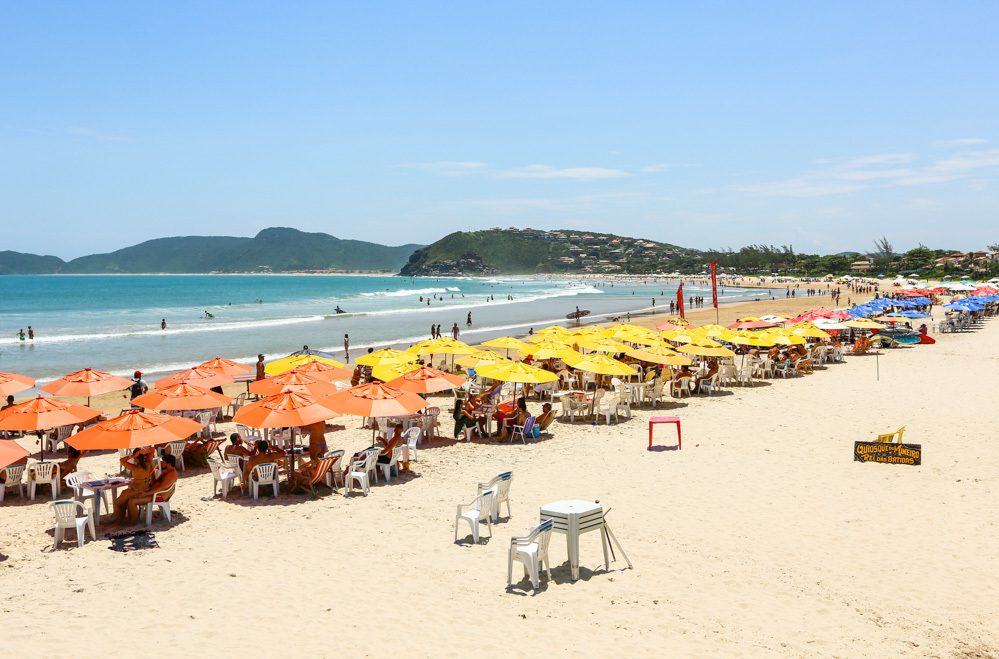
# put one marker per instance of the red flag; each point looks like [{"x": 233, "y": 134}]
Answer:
[
  {"x": 679, "y": 300},
  {"x": 714, "y": 285}
]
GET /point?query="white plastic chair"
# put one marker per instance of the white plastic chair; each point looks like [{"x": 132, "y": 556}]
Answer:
[
  {"x": 523, "y": 430},
  {"x": 412, "y": 439},
  {"x": 371, "y": 465},
  {"x": 236, "y": 463},
  {"x": 499, "y": 486},
  {"x": 709, "y": 385},
  {"x": 207, "y": 419},
  {"x": 358, "y": 473},
  {"x": 677, "y": 388},
  {"x": 532, "y": 552},
  {"x": 264, "y": 473},
  {"x": 224, "y": 477},
  {"x": 393, "y": 462},
  {"x": 67, "y": 516},
  {"x": 46, "y": 473},
  {"x": 161, "y": 500},
  {"x": 475, "y": 511},
  {"x": 605, "y": 407},
  {"x": 177, "y": 451},
  {"x": 13, "y": 476},
  {"x": 655, "y": 393},
  {"x": 431, "y": 421}
]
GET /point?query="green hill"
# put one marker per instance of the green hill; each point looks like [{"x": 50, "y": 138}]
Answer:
[
  {"x": 17, "y": 263},
  {"x": 529, "y": 251},
  {"x": 275, "y": 250}
]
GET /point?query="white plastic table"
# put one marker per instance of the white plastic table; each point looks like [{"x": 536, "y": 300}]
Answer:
[
  {"x": 572, "y": 518},
  {"x": 98, "y": 488}
]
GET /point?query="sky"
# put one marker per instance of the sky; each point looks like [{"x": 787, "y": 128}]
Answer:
[{"x": 705, "y": 124}]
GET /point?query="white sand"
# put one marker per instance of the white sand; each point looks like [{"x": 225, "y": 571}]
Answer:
[{"x": 761, "y": 537}]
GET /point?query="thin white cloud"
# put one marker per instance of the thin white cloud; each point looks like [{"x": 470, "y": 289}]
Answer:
[
  {"x": 881, "y": 170},
  {"x": 963, "y": 141},
  {"x": 549, "y": 172},
  {"x": 99, "y": 135}
]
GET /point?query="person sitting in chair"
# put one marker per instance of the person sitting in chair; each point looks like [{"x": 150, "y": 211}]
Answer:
[
  {"x": 262, "y": 455},
  {"x": 166, "y": 480},
  {"x": 546, "y": 418}
]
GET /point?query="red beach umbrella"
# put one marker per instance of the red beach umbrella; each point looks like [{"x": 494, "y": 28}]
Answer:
[
  {"x": 181, "y": 396},
  {"x": 11, "y": 383},
  {"x": 199, "y": 377}
]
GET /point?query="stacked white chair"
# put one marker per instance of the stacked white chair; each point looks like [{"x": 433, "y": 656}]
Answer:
[
  {"x": 474, "y": 512},
  {"x": 499, "y": 486},
  {"x": 532, "y": 552},
  {"x": 358, "y": 473},
  {"x": 177, "y": 451},
  {"x": 71, "y": 514}
]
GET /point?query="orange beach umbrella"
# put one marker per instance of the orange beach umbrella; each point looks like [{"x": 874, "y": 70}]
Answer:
[
  {"x": 10, "y": 452},
  {"x": 323, "y": 371},
  {"x": 284, "y": 410},
  {"x": 226, "y": 366},
  {"x": 181, "y": 396},
  {"x": 134, "y": 429},
  {"x": 375, "y": 400},
  {"x": 86, "y": 383},
  {"x": 292, "y": 381},
  {"x": 427, "y": 380},
  {"x": 200, "y": 377},
  {"x": 11, "y": 383},
  {"x": 44, "y": 414}
]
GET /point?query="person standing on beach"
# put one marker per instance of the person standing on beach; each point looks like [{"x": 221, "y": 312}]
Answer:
[
  {"x": 454, "y": 331},
  {"x": 468, "y": 323},
  {"x": 163, "y": 324},
  {"x": 346, "y": 347},
  {"x": 138, "y": 387},
  {"x": 260, "y": 368},
  {"x": 433, "y": 331}
]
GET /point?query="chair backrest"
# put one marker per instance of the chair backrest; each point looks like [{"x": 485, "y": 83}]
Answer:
[
  {"x": 65, "y": 510},
  {"x": 371, "y": 460},
  {"x": 14, "y": 474},
  {"x": 322, "y": 467},
  {"x": 177, "y": 448},
  {"x": 43, "y": 470},
  {"x": 529, "y": 425},
  {"x": 433, "y": 411},
  {"x": 215, "y": 465},
  {"x": 74, "y": 479},
  {"x": 412, "y": 436},
  {"x": 164, "y": 495},
  {"x": 204, "y": 418},
  {"x": 541, "y": 534},
  {"x": 337, "y": 457},
  {"x": 64, "y": 432},
  {"x": 396, "y": 455},
  {"x": 503, "y": 482},
  {"x": 265, "y": 471}
]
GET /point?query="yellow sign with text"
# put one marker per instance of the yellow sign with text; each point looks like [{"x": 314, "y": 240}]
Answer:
[{"x": 885, "y": 453}]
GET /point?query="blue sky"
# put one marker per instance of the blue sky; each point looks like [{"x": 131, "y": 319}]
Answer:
[{"x": 710, "y": 124}]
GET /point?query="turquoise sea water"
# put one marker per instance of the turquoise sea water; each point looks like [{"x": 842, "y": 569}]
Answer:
[{"x": 113, "y": 322}]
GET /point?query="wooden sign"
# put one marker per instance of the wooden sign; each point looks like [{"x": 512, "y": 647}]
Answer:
[{"x": 886, "y": 453}]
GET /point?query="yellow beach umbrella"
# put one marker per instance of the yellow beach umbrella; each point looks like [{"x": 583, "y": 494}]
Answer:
[
  {"x": 702, "y": 350},
  {"x": 479, "y": 357},
  {"x": 863, "y": 323},
  {"x": 717, "y": 332},
  {"x": 600, "y": 363},
  {"x": 602, "y": 344},
  {"x": 787, "y": 339},
  {"x": 442, "y": 346},
  {"x": 757, "y": 339},
  {"x": 285, "y": 364},
  {"x": 690, "y": 336},
  {"x": 810, "y": 331},
  {"x": 659, "y": 355},
  {"x": 386, "y": 357},
  {"x": 549, "y": 332},
  {"x": 506, "y": 343},
  {"x": 510, "y": 371},
  {"x": 547, "y": 350},
  {"x": 386, "y": 372}
]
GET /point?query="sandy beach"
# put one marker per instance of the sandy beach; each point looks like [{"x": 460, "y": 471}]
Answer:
[{"x": 762, "y": 537}]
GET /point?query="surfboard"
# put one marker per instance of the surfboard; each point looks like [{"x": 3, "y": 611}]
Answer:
[
  {"x": 925, "y": 340},
  {"x": 577, "y": 315}
]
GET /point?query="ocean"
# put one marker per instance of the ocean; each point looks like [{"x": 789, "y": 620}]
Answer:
[{"x": 112, "y": 322}]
